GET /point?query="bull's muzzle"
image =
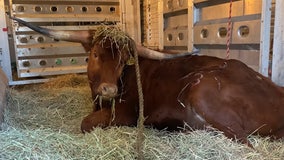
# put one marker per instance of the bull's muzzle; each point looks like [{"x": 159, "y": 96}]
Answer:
[{"x": 107, "y": 90}]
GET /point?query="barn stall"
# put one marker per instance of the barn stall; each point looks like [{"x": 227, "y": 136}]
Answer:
[{"x": 47, "y": 92}]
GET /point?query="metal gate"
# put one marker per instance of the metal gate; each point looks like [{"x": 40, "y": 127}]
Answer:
[
  {"x": 37, "y": 55},
  {"x": 182, "y": 25},
  {"x": 185, "y": 25}
]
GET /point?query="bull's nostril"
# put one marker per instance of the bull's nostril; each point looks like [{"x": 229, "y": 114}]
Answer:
[{"x": 105, "y": 88}]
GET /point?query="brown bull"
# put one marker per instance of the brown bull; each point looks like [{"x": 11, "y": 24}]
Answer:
[{"x": 197, "y": 90}]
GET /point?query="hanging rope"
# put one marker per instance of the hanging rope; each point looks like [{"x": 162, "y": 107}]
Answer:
[
  {"x": 140, "y": 135},
  {"x": 229, "y": 30}
]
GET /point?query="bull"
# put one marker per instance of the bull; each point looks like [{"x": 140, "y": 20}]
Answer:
[{"x": 178, "y": 89}]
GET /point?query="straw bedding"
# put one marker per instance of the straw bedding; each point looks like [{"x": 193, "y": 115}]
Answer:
[{"x": 43, "y": 122}]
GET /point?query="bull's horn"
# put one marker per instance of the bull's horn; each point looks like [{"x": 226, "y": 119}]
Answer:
[
  {"x": 151, "y": 54},
  {"x": 84, "y": 36}
]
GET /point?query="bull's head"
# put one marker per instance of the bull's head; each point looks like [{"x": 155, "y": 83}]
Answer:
[
  {"x": 111, "y": 50},
  {"x": 108, "y": 55}
]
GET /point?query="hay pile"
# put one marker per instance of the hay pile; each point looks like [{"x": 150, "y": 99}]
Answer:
[{"x": 43, "y": 122}]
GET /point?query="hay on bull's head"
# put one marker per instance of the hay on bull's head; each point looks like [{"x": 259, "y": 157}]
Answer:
[
  {"x": 113, "y": 34},
  {"x": 117, "y": 38}
]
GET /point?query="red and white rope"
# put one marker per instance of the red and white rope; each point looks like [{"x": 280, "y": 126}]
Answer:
[{"x": 229, "y": 30}]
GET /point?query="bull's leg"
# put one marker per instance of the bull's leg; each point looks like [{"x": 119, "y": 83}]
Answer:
[
  {"x": 222, "y": 119},
  {"x": 122, "y": 116},
  {"x": 226, "y": 121},
  {"x": 96, "y": 119},
  {"x": 234, "y": 131}
]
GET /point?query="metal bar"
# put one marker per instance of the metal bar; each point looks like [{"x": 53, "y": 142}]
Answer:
[
  {"x": 190, "y": 25},
  {"x": 160, "y": 25},
  {"x": 86, "y": 2},
  {"x": 132, "y": 19},
  {"x": 23, "y": 82},
  {"x": 225, "y": 20},
  {"x": 265, "y": 37},
  {"x": 68, "y": 18},
  {"x": 278, "y": 45},
  {"x": 204, "y": 3},
  {"x": 146, "y": 20},
  {"x": 5, "y": 61}
]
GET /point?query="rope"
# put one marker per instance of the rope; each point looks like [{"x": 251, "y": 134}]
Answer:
[
  {"x": 229, "y": 30},
  {"x": 140, "y": 135}
]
